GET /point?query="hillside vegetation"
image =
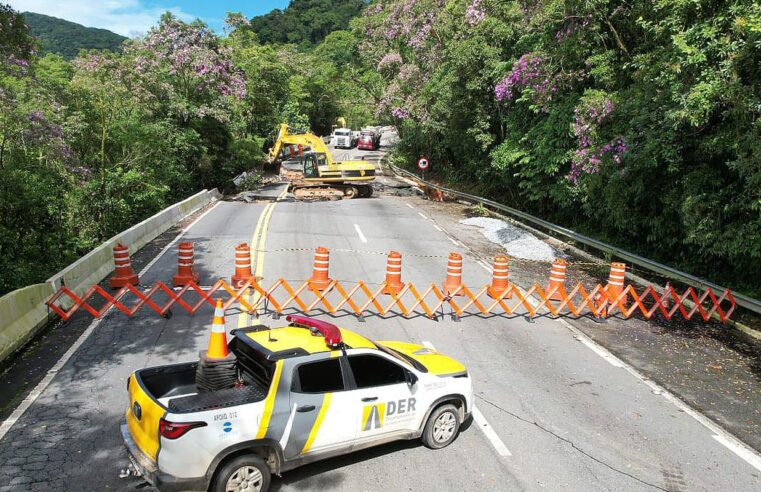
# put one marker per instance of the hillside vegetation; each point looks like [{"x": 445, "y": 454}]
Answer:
[
  {"x": 306, "y": 22},
  {"x": 67, "y": 38},
  {"x": 636, "y": 123}
]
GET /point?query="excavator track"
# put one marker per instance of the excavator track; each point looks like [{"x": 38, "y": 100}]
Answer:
[{"x": 334, "y": 191}]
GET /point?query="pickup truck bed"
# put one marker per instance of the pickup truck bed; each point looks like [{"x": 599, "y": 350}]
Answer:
[{"x": 217, "y": 399}]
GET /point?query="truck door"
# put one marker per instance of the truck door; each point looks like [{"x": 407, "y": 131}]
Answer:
[
  {"x": 384, "y": 404},
  {"x": 320, "y": 410}
]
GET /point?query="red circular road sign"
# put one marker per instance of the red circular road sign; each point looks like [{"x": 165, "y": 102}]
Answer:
[{"x": 423, "y": 163}]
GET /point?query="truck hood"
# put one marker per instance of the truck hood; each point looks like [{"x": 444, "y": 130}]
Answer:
[{"x": 437, "y": 364}]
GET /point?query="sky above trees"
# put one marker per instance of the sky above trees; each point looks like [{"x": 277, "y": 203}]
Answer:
[{"x": 135, "y": 17}]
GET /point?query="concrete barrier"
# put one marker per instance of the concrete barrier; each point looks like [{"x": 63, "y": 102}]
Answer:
[
  {"x": 23, "y": 311},
  {"x": 22, "y": 314},
  {"x": 99, "y": 263}
]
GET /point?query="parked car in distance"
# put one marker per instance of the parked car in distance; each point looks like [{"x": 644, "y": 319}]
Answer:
[{"x": 369, "y": 140}]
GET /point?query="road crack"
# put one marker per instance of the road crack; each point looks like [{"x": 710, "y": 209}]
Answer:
[{"x": 571, "y": 443}]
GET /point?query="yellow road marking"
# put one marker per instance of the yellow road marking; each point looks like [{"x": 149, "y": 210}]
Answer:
[{"x": 258, "y": 241}]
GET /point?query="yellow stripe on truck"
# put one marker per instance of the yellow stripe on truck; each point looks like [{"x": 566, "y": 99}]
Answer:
[
  {"x": 145, "y": 432},
  {"x": 269, "y": 403},
  {"x": 317, "y": 423}
]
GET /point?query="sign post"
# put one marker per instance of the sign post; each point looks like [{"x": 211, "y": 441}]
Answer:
[{"x": 422, "y": 163}]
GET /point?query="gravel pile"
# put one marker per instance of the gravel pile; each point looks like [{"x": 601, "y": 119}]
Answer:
[{"x": 517, "y": 242}]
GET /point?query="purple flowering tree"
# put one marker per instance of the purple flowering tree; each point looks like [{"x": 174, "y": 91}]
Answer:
[
  {"x": 186, "y": 67},
  {"x": 530, "y": 71},
  {"x": 593, "y": 111}
]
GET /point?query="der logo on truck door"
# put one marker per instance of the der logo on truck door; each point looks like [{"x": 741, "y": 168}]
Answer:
[{"x": 375, "y": 416}]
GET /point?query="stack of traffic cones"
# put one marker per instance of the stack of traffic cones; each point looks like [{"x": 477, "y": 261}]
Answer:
[{"x": 217, "y": 368}]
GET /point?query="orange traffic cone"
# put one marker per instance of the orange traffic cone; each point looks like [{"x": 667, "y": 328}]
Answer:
[
  {"x": 557, "y": 279},
  {"x": 454, "y": 275},
  {"x": 615, "y": 285},
  {"x": 393, "y": 273},
  {"x": 242, "y": 265},
  {"x": 123, "y": 273},
  {"x": 185, "y": 272},
  {"x": 218, "y": 339},
  {"x": 320, "y": 278},
  {"x": 499, "y": 281}
]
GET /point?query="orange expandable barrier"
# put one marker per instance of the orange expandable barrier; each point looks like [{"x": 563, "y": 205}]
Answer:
[{"x": 496, "y": 298}]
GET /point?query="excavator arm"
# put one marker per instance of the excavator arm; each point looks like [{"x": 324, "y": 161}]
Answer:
[{"x": 307, "y": 139}]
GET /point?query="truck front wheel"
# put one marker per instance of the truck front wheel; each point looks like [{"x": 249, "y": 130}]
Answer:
[
  {"x": 442, "y": 427},
  {"x": 247, "y": 473}
]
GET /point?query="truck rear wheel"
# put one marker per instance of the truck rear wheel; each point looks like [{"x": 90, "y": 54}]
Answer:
[
  {"x": 247, "y": 473},
  {"x": 442, "y": 427}
]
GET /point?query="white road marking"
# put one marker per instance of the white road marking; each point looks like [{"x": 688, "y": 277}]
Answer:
[
  {"x": 359, "y": 232},
  {"x": 408, "y": 205},
  {"x": 607, "y": 356},
  {"x": 452, "y": 241},
  {"x": 738, "y": 447},
  {"x": 483, "y": 424},
  {"x": 484, "y": 266},
  {"x": 753, "y": 459},
  {"x": 421, "y": 214},
  {"x": 43, "y": 384},
  {"x": 438, "y": 228},
  {"x": 490, "y": 434}
]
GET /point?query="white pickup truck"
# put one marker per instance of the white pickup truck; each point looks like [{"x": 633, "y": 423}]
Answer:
[{"x": 305, "y": 392}]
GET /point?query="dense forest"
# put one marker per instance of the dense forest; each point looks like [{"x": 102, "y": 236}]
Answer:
[
  {"x": 67, "y": 38},
  {"x": 636, "y": 123},
  {"x": 90, "y": 146},
  {"x": 306, "y": 23}
]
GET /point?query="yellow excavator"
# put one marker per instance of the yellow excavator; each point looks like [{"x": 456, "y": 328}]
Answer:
[{"x": 318, "y": 171}]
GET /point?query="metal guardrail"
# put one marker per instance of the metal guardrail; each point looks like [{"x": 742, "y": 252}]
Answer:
[{"x": 691, "y": 280}]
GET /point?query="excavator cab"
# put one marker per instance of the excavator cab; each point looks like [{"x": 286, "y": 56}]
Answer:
[{"x": 312, "y": 163}]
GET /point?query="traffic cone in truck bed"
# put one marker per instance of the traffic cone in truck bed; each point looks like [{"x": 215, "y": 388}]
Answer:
[
  {"x": 218, "y": 340},
  {"x": 217, "y": 368}
]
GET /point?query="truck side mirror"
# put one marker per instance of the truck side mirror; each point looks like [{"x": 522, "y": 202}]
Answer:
[{"x": 411, "y": 378}]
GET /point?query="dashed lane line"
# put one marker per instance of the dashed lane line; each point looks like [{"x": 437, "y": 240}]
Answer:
[
  {"x": 409, "y": 205},
  {"x": 359, "y": 233},
  {"x": 438, "y": 228},
  {"x": 483, "y": 424},
  {"x": 422, "y": 215},
  {"x": 43, "y": 384}
]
